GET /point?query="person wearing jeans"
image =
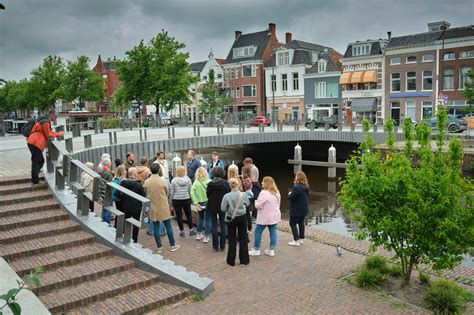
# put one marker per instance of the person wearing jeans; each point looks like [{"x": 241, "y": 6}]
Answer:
[
  {"x": 157, "y": 225},
  {"x": 298, "y": 208},
  {"x": 268, "y": 206},
  {"x": 199, "y": 197},
  {"x": 216, "y": 190},
  {"x": 180, "y": 198}
]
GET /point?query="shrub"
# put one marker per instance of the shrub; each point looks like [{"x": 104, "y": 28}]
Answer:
[
  {"x": 196, "y": 298},
  {"x": 369, "y": 278},
  {"x": 395, "y": 271},
  {"x": 377, "y": 263},
  {"x": 424, "y": 278},
  {"x": 445, "y": 297}
]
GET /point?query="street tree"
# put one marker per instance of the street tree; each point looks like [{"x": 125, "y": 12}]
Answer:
[
  {"x": 16, "y": 97},
  {"x": 415, "y": 201},
  {"x": 468, "y": 92},
  {"x": 45, "y": 83},
  {"x": 213, "y": 101},
  {"x": 120, "y": 103},
  {"x": 80, "y": 83}
]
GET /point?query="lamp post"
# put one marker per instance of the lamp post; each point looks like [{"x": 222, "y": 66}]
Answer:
[{"x": 273, "y": 95}]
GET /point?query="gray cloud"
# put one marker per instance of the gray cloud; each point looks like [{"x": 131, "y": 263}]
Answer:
[{"x": 31, "y": 30}]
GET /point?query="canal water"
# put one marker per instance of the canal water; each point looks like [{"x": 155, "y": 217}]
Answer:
[{"x": 272, "y": 160}]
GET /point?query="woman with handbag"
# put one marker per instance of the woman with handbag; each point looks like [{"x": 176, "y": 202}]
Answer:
[
  {"x": 199, "y": 198},
  {"x": 234, "y": 205}
]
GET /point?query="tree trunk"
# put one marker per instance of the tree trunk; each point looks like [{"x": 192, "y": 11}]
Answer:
[{"x": 407, "y": 273}]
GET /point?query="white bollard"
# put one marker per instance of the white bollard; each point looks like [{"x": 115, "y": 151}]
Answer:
[
  {"x": 298, "y": 158},
  {"x": 332, "y": 159},
  {"x": 203, "y": 163},
  {"x": 176, "y": 162}
]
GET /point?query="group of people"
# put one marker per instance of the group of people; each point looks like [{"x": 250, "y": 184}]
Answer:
[{"x": 228, "y": 200}]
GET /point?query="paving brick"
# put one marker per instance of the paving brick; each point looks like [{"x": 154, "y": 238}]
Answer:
[
  {"x": 33, "y": 218},
  {"x": 20, "y": 188},
  {"x": 36, "y": 231},
  {"x": 25, "y": 197},
  {"x": 37, "y": 205},
  {"x": 13, "y": 180}
]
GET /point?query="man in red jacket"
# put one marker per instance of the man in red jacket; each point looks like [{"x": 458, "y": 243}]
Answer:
[{"x": 40, "y": 133}]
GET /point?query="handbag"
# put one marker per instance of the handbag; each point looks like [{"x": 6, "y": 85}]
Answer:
[{"x": 231, "y": 214}]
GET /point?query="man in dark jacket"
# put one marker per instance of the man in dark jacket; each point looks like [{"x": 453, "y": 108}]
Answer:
[
  {"x": 192, "y": 165},
  {"x": 216, "y": 189},
  {"x": 132, "y": 207}
]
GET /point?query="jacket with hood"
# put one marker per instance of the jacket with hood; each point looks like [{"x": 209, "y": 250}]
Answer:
[
  {"x": 41, "y": 132},
  {"x": 216, "y": 189},
  {"x": 180, "y": 188},
  {"x": 142, "y": 173}
]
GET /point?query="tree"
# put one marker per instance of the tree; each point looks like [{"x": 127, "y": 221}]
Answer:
[
  {"x": 213, "y": 101},
  {"x": 120, "y": 102},
  {"x": 15, "y": 96},
  {"x": 414, "y": 202},
  {"x": 469, "y": 92},
  {"x": 45, "y": 83},
  {"x": 80, "y": 83}
]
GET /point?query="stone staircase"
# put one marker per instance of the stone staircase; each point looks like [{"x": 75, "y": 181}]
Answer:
[{"x": 80, "y": 275}]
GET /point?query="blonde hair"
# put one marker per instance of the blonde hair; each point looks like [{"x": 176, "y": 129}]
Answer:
[
  {"x": 121, "y": 171},
  {"x": 181, "y": 171},
  {"x": 269, "y": 184},
  {"x": 232, "y": 172},
  {"x": 234, "y": 183},
  {"x": 90, "y": 165},
  {"x": 201, "y": 173},
  {"x": 300, "y": 178}
]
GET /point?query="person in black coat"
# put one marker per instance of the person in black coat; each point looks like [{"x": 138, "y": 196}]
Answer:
[
  {"x": 298, "y": 208},
  {"x": 132, "y": 207},
  {"x": 216, "y": 189}
]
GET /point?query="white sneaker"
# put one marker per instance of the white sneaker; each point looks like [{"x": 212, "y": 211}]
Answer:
[
  {"x": 174, "y": 248},
  {"x": 254, "y": 252},
  {"x": 294, "y": 243},
  {"x": 199, "y": 237},
  {"x": 205, "y": 239},
  {"x": 301, "y": 241},
  {"x": 269, "y": 252}
]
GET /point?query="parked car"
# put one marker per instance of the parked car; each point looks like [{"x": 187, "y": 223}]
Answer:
[
  {"x": 453, "y": 123},
  {"x": 321, "y": 122},
  {"x": 260, "y": 120}
]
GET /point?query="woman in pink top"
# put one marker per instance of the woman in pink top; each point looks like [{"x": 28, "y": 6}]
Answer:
[{"x": 268, "y": 206}]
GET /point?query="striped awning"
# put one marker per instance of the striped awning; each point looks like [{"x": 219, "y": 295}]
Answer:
[
  {"x": 370, "y": 76},
  {"x": 364, "y": 104},
  {"x": 345, "y": 78},
  {"x": 357, "y": 77}
]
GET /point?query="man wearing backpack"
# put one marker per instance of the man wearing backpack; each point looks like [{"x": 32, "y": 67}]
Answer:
[{"x": 37, "y": 139}]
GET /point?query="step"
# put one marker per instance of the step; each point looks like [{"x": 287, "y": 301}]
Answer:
[
  {"x": 136, "y": 302},
  {"x": 60, "y": 258},
  {"x": 25, "y": 197},
  {"x": 45, "y": 245},
  {"x": 5, "y": 181},
  {"x": 20, "y": 208},
  {"x": 82, "y": 272},
  {"x": 65, "y": 299},
  {"x": 33, "y": 218},
  {"x": 20, "y": 188},
  {"x": 36, "y": 231}
]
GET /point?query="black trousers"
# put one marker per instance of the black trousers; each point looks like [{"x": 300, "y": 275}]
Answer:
[
  {"x": 136, "y": 216},
  {"x": 248, "y": 216},
  {"x": 37, "y": 161},
  {"x": 181, "y": 206},
  {"x": 237, "y": 231},
  {"x": 296, "y": 222}
]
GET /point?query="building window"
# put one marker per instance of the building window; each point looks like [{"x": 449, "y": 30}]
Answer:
[
  {"x": 273, "y": 78},
  {"x": 372, "y": 85},
  {"x": 360, "y": 86},
  {"x": 427, "y": 80},
  {"x": 463, "y": 77},
  {"x": 320, "y": 90},
  {"x": 332, "y": 90},
  {"x": 219, "y": 75},
  {"x": 314, "y": 57},
  {"x": 322, "y": 65},
  {"x": 395, "y": 61},
  {"x": 411, "y": 59},
  {"x": 410, "y": 110},
  {"x": 284, "y": 58},
  {"x": 204, "y": 77},
  {"x": 395, "y": 82},
  {"x": 426, "y": 110},
  {"x": 411, "y": 81},
  {"x": 242, "y": 52},
  {"x": 448, "y": 56},
  {"x": 284, "y": 82},
  {"x": 237, "y": 92},
  {"x": 448, "y": 79},
  {"x": 361, "y": 50},
  {"x": 467, "y": 54},
  {"x": 232, "y": 93},
  {"x": 232, "y": 73},
  {"x": 236, "y": 70},
  {"x": 248, "y": 71},
  {"x": 250, "y": 90},
  {"x": 427, "y": 58},
  {"x": 296, "y": 84}
]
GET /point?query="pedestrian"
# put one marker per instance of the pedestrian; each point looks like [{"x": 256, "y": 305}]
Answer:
[
  {"x": 161, "y": 160},
  {"x": 159, "y": 213},
  {"x": 37, "y": 139},
  {"x": 130, "y": 162},
  {"x": 256, "y": 189},
  {"x": 103, "y": 157},
  {"x": 215, "y": 162},
  {"x": 87, "y": 181},
  {"x": 192, "y": 165},
  {"x": 120, "y": 174},
  {"x": 199, "y": 197},
  {"x": 234, "y": 206},
  {"x": 298, "y": 208},
  {"x": 233, "y": 172},
  {"x": 180, "y": 198},
  {"x": 118, "y": 162},
  {"x": 268, "y": 206},
  {"x": 251, "y": 207},
  {"x": 248, "y": 163},
  {"x": 216, "y": 190},
  {"x": 132, "y": 208},
  {"x": 107, "y": 176},
  {"x": 142, "y": 170}
]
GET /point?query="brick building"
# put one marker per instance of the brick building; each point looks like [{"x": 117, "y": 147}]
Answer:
[
  {"x": 244, "y": 75},
  {"x": 108, "y": 71}
]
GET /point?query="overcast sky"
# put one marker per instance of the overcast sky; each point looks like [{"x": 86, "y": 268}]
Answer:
[{"x": 30, "y": 30}]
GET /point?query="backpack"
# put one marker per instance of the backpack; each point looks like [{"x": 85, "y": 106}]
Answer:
[{"x": 26, "y": 129}]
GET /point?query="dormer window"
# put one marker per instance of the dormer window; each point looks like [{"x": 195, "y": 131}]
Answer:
[
  {"x": 322, "y": 65},
  {"x": 243, "y": 52},
  {"x": 284, "y": 58},
  {"x": 314, "y": 57},
  {"x": 359, "y": 50}
]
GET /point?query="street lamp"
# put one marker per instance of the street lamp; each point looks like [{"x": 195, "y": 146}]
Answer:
[{"x": 273, "y": 94}]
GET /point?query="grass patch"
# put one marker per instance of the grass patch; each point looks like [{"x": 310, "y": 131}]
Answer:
[
  {"x": 424, "y": 278},
  {"x": 369, "y": 278},
  {"x": 196, "y": 298},
  {"x": 376, "y": 263},
  {"x": 395, "y": 271},
  {"x": 445, "y": 297}
]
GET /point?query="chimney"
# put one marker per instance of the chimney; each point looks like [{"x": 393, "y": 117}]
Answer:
[
  {"x": 237, "y": 35},
  {"x": 115, "y": 58},
  {"x": 389, "y": 35},
  {"x": 272, "y": 28},
  {"x": 288, "y": 37}
]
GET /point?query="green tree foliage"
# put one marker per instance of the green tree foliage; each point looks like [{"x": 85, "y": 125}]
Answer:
[
  {"x": 414, "y": 202},
  {"x": 213, "y": 101},
  {"x": 15, "y": 96},
  {"x": 120, "y": 103},
  {"x": 10, "y": 298},
  {"x": 80, "y": 83},
  {"x": 45, "y": 83},
  {"x": 469, "y": 92}
]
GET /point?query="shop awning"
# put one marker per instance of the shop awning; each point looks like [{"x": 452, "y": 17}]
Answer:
[
  {"x": 370, "y": 76},
  {"x": 345, "y": 78},
  {"x": 357, "y": 77},
  {"x": 364, "y": 104}
]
